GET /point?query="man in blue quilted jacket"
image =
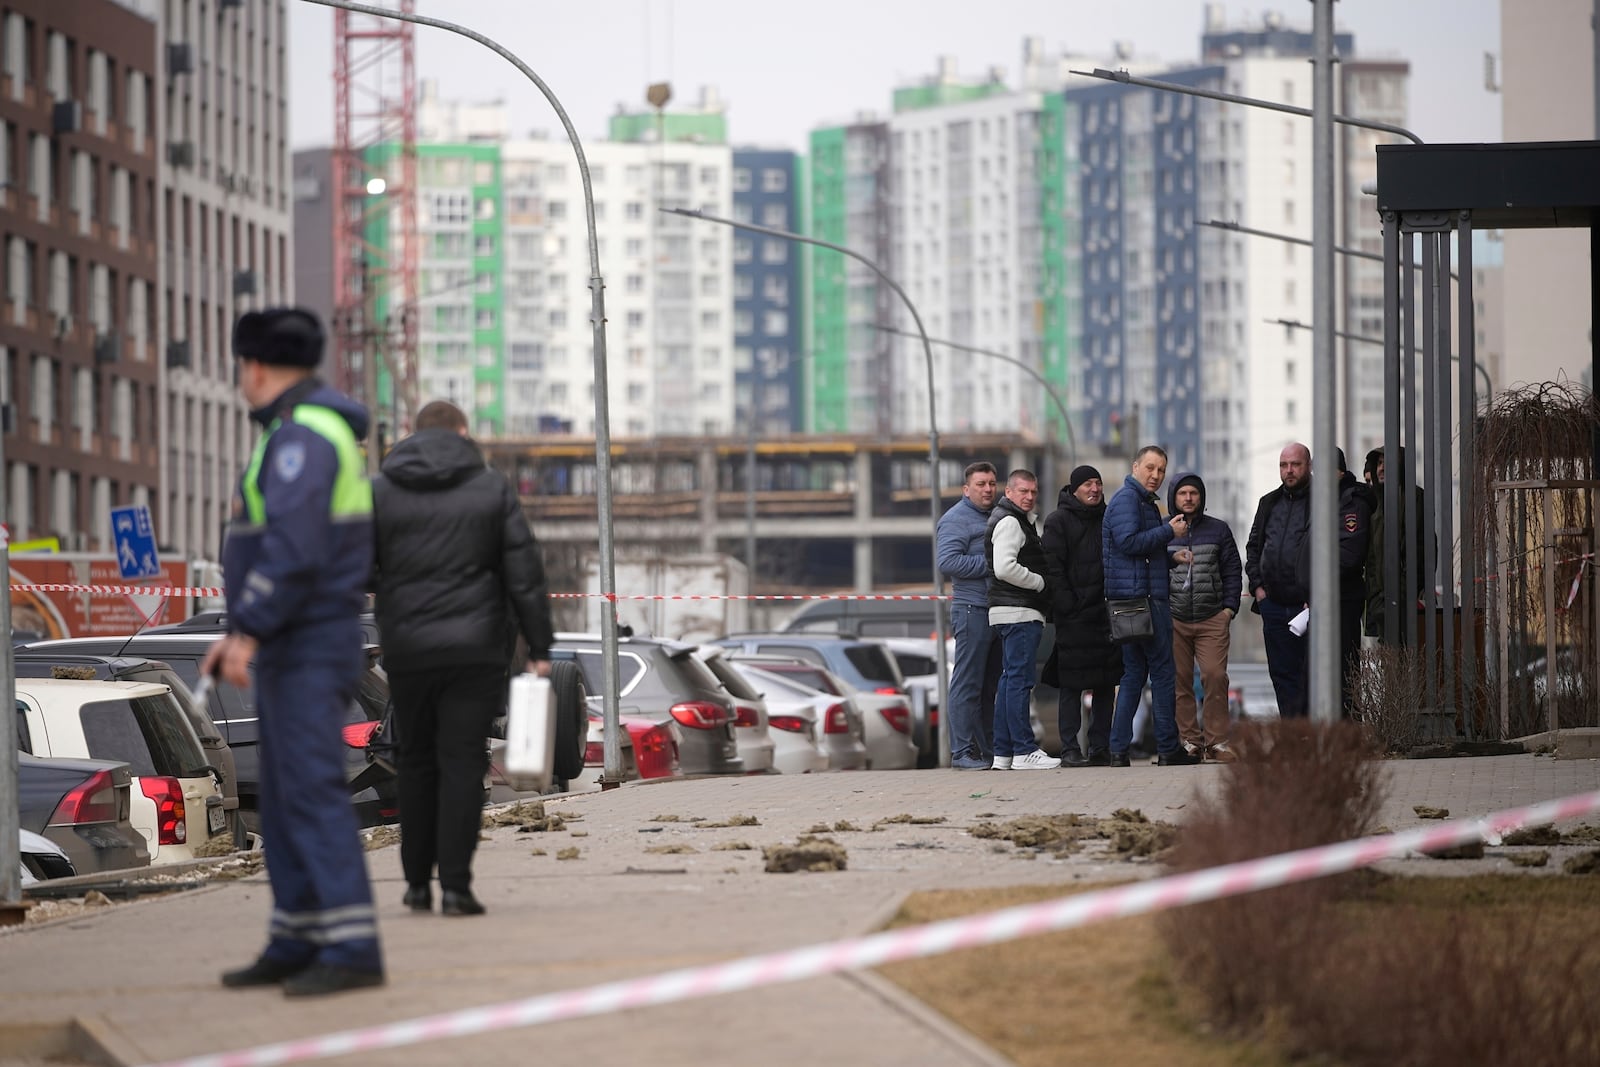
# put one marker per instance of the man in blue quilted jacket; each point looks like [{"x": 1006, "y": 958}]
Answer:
[
  {"x": 1207, "y": 579},
  {"x": 1135, "y": 540}
]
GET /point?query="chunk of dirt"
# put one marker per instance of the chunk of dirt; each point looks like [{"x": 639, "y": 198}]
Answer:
[
  {"x": 808, "y": 853},
  {"x": 1129, "y": 815},
  {"x": 1470, "y": 850},
  {"x": 909, "y": 819},
  {"x": 1533, "y": 837},
  {"x": 1425, "y": 812},
  {"x": 732, "y": 820},
  {"x": 538, "y": 852},
  {"x": 1583, "y": 863},
  {"x": 1128, "y": 833},
  {"x": 1582, "y": 835},
  {"x": 677, "y": 818},
  {"x": 241, "y": 866},
  {"x": 217, "y": 847},
  {"x": 732, "y": 846},
  {"x": 845, "y": 826},
  {"x": 528, "y": 816},
  {"x": 580, "y": 833},
  {"x": 567, "y": 854},
  {"x": 382, "y": 837},
  {"x": 672, "y": 850},
  {"x": 1529, "y": 859}
]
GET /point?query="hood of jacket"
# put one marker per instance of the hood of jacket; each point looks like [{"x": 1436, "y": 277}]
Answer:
[
  {"x": 433, "y": 459},
  {"x": 313, "y": 391},
  {"x": 1066, "y": 499},
  {"x": 1181, "y": 481}
]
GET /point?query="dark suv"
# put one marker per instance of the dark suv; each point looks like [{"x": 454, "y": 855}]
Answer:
[
  {"x": 42, "y": 663},
  {"x": 662, "y": 680},
  {"x": 371, "y": 781}
]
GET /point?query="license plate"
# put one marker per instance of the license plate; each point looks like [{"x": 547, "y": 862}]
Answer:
[{"x": 216, "y": 819}]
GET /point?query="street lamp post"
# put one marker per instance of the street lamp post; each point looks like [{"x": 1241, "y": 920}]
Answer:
[
  {"x": 1361, "y": 338},
  {"x": 602, "y": 415},
  {"x": 933, "y": 439}
]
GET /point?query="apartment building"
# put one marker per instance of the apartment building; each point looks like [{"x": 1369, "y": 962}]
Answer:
[
  {"x": 768, "y": 293},
  {"x": 79, "y": 218},
  {"x": 223, "y": 215}
]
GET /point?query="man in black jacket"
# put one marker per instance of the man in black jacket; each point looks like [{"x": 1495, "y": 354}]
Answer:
[
  {"x": 1355, "y": 535},
  {"x": 1278, "y": 569},
  {"x": 457, "y": 574},
  {"x": 1085, "y": 658}
]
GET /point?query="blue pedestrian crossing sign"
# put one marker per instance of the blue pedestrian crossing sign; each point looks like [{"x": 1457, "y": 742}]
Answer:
[{"x": 135, "y": 538}]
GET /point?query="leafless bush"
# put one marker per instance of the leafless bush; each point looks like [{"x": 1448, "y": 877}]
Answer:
[{"x": 1390, "y": 688}]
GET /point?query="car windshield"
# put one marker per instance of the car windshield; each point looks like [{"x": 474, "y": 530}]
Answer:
[
  {"x": 914, "y": 663},
  {"x": 594, "y": 680},
  {"x": 731, "y": 679},
  {"x": 873, "y": 663},
  {"x": 696, "y": 673},
  {"x": 814, "y": 677},
  {"x": 150, "y": 734},
  {"x": 769, "y": 683}
]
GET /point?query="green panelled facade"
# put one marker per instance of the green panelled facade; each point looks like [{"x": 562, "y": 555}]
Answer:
[
  {"x": 1060, "y": 269},
  {"x": 828, "y": 410}
]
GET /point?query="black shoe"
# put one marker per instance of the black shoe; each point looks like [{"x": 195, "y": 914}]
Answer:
[
  {"x": 459, "y": 902},
  {"x": 321, "y": 979},
  {"x": 262, "y": 972},
  {"x": 1099, "y": 759},
  {"x": 1073, "y": 758},
  {"x": 1176, "y": 758},
  {"x": 1120, "y": 759},
  {"x": 418, "y": 898}
]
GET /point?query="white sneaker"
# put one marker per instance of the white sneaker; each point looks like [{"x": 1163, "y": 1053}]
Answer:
[
  {"x": 1035, "y": 761},
  {"x": 1001, "y": 763}
]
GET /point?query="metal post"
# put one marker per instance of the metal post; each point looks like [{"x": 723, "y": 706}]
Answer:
[
  {"x": 1430, "y": 432},
  {"x": 1444, "y": 477},
  {"x": 1467, "y": 344},
  {"x": 10, "y": 815},
  {"x": 1323, "y": 693},
  {"x": 602, "y": 405},
  {"x": 750, "y": 505},
  {"x": 1552, "y": 705},
  {"x": 1405, "y": 472},
  {"x": 1392, "y": 546},
  {"x": 941, "y": 627}
]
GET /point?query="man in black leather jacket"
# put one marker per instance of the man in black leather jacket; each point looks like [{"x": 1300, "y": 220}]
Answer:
[{"x": 457, "y": 574}]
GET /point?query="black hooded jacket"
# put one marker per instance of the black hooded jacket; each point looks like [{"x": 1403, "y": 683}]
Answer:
[
  {"x": 1086, "y": 658},
  {"x": 1214, "y": 580},
  {"x": 456, "y": 568}
]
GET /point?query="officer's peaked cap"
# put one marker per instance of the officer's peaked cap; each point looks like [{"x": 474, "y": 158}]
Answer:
[{"x": 286, "y": 337}]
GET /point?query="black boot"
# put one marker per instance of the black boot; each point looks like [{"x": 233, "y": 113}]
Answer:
[
  {"x": 1071, "y": 757},
  {"x": 418, "y": 898},
  {"x": 321, "y": 979},
  {"x": 1120, "y": 759},
  {"x": 262, "y": 972},
  {"x": 459, "y": 902}
]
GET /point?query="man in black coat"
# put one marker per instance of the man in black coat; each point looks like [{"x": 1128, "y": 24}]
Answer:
[
  {"x": 1085, "y": 658},
  {"x": 457, "y": 574},
  {"x": 1278, "y": 569}
]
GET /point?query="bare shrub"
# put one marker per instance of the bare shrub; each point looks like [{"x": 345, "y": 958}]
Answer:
[
  {"x": 1296, "y": 785},
  {"x": 1390, "y": 688}
]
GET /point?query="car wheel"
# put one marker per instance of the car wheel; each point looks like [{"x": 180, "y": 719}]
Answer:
[
  {"x": 251, "y": 820},
  {"x": 572, "y": 717}
]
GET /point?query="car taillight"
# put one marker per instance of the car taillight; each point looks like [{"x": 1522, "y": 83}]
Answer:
[
  {"x": 933, "y": 716},
  {"x": 889, "y": 691},
  {"x": 898, "y": 716},
  {"x": 700, "y": 714},
  {"x": 792, "y": 723},
  {"x": 838, "y": 720},
  {"x": 594, "y": 754},
  {"x": 655, "y": 753},
  {"x": 171, "y": 828},
  {"x": 358, "y": 734},
  {"x": 93, "y": 801},
  {"x": 746, "y": 716}
]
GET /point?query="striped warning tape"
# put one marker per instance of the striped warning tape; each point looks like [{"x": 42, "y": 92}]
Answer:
[
  {"x": 928, "y": 940},
  {"x": 117, "y": 590},
  {"x": 211, "y": 591}
]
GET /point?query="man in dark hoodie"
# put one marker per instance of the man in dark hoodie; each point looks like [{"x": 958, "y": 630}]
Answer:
[
  {"x": 1204, "y": 587},
  {"x": 1085, "y": 658},
  {"x": 1278, "y": 568},
  {"x": 457, "y": 573},
  {"x": 298, "y": 551}
]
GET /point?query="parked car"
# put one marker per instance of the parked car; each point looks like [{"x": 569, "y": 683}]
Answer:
[
  {"x": 176, "y": 795},
  {"x": 918, "y": 660},
  {"x": 866, "y": 618},
  {"x": 844, "y": 729},
  {"x": 83, "y": 805},
  {"x": 804, "y": 724},
  {"x": 751, "y": 728},
  {"x": 665, "y": 683},
  {"x": 42, "y": 663},
  {"x": 649, "y": 749},
  {"x": 233, "y": 709},
  {"x": 42, "y": 859},
  {"x": 868, "y": 670}
]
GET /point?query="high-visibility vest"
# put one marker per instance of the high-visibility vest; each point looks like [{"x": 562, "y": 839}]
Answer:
[{"x": 352, "y": 492}]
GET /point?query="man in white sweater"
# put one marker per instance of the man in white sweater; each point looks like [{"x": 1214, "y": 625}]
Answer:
[{"x": 1018, "y": 601}]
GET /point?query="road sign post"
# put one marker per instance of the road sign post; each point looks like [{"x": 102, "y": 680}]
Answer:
[{"x": 135, "y": 539}]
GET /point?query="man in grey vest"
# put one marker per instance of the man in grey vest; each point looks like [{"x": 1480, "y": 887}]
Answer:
[{"x": 1018, "y": 599}]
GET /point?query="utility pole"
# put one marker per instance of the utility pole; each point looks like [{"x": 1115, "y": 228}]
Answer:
[{"x": 1324, "y": 692}]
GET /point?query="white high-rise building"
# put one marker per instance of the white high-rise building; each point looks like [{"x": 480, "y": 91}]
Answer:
[{"x": 224, "y": 219}]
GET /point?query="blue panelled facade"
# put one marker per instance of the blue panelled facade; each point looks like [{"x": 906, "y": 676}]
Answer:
[{"x": 768, "y": 295}]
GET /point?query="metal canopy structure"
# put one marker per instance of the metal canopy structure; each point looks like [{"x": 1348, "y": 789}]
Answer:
[{"x": 1427, "y": 195}]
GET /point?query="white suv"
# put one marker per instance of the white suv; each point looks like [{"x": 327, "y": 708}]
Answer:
[{"x": 177, "y": 801}]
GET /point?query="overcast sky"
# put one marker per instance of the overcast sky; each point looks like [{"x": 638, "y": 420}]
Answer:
[{"x": 784, "y": 68}]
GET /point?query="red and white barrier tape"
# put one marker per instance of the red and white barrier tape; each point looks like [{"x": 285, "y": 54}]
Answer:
[
  {"x": 117, "y": 590},
  {"x": 208, "y": 591},
  {"x": 912, "y": 942}
]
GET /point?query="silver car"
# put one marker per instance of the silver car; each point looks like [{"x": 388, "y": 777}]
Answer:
[{"x": 843, "y": 734}]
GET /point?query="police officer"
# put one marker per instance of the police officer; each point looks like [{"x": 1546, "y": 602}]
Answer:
[
  {"x": 296, "y": 561},
  {"x": 1355, "y": 533}
]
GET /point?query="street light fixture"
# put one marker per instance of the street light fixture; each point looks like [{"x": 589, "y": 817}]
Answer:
[
  {"x": 1361, "y": 338},
  {"x": 602, "y": 406},
  {"x": 933, "y": 435}
]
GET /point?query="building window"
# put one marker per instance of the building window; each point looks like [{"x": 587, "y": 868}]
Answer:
[
  {"x": 558, "y": 319},
  {"x": 486, "y": 318},
  {"x": 556, "y": 210},
  {"x": 635, "y": 320},
  {"x": 634, "y": 247},
  {"x": 710, "y": 320},
  {"x": 483, "y": 245},
  {"x": 485, "y": 208},
  {"x": 774, "y": 181},
  {"x": 775, "y": 216},
  {"x": 634, "y": 211},
  {"x": 741, "y": 179},
  {"x": 774, "y": 250},
  {"x": 636, "y": 283},
  {"x": 775, "y": 323}
]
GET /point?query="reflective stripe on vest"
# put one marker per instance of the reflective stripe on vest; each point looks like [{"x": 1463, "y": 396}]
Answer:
[{"x": 352, "y": 492}]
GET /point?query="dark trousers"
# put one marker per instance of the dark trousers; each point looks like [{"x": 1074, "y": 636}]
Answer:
[
  {"x": 1069, "y": 718},
  {"x": 321, "y": 898},
  {"x": 1286, "y": 658},
  {"x": 1349, "y": 650},
  {"x": 444, "y": 717}
]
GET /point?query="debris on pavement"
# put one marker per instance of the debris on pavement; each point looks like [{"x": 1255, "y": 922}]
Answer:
[
  {"x": 528, "y": 816},
  {"x": 382, "y": 837},
  {"x": 1425, "y": 812},
  {"x": 733, "y": 846},
  {"x": 1534, "y": 836},
  {"x": 808, "y": 853},
  {"x": 1529, "y": 859},
  {"x": 1468, "y": 850},
  {"x": 567, "y": 854},
  {"x": 672, "y": 849},
  {"x": 732, "y": 820},
  {"x": 1583, "y": 863},
  {"x": 1128, "y": 833}
]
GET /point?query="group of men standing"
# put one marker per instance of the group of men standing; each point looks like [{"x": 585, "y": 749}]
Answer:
[{"x": 1183, "y": 569}]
